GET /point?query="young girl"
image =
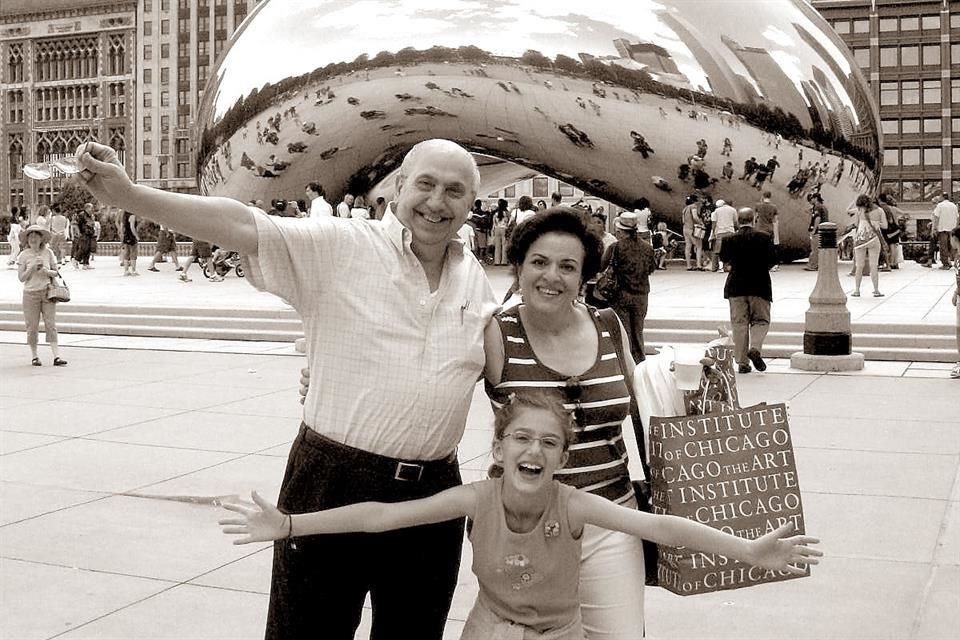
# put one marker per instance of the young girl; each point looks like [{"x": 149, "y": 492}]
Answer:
[{"x": 526, "y": 528}]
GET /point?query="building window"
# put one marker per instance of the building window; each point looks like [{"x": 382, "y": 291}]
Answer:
[
  {"x": 540, "y": 187},
  {"x": 910, "y": 56},
  {"x": 956, "y": 156},
  {"x": 184, "y": 25},
  {"x": 220, "y": 23},
  {"x": 164, "y": 170},
  {"x": 931, "y": 54},
  {"x": 203, "y": 24},
  {"x": 218, "y": 46},
  {"x": 910, "y": 157},
  {"x": 165, "y": 27},
  {"x": 15, "y": 62},
  {"x": 955, "y": 20},
  {"x": 892, "y": 187},
  {"x": 165, "y": 146},
  {"x": 147, "y": 28},
  {"x": 931, "y": 92},
  {"x": 183, "y": 145},
  {"x": 930, "y": 22},
  {"x": 888, "y": 94},
  {"x": 164, "y": 124},
  {"x": 890, "y": 127},
  {"x": 183, "y": 97},
  {"x": 954, "y": 53},
  {"x": 909, "y": 24},
  {"x": 117, "y": 55},
  {"x": 955, "y": 125},
  {"x": 148, "y": 52},
  {"x": 931, "y": 157},
  {"x": 147, "y": 124},
  {"x": 931, "y": 125},
  {"x": 203, "y": 48},
  {"x": 910, "y": 92},
  {"x": 184, "y": 5},
  {"x": 165, "y": 50},
  {"x": 148, "y": 147},
  {"x": 183, "y": 169},
  {"x": 510, "y": 192},
  {"x": 840, "y": 26},
  {"x": 147, "y": 75},
  {"x": 912, "y": 191},
  {"x": 15, "y": 151},
  {"x": 861, "y": 26},
  {"x": 147, "y": 99},
  {"x": 183, "y": 120},
  {"x": 888, "y": 24},
  {"x": 164, "y": 5},
  {"x": 203, "y": 72},
  {"x": 164, "y": 98},
  {"x": 147, "y": 171},
  {"x": 165, "y": 75},
  {"x": 861, "y": 56},
  {"x": 955, "y": 90},
  {"x": 147, "y": 6},
  {"x": 931, "y": 188},
  {"x": 888, "y": 56},
  {"x": 891, "y": 157}
]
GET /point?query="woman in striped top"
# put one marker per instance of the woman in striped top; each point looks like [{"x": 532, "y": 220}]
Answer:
[{"x": 554, "y": 341}]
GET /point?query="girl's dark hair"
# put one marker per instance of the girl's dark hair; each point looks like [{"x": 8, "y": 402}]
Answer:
[
  {"x": 546, "y": 400},
  {"x": 525, "y": 203},
  {"x": 863, "y": 200},
  {"x": 558, "y": 220}
]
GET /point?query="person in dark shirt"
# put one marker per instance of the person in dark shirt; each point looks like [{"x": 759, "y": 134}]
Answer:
[
  {"x": 748, "y": 289},
  {"x": 633, "y": 262}
]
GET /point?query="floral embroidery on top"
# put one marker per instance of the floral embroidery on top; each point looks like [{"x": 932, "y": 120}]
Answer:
[
  {"x": 551, "y": 529},
  {"x": 520, "y": 571}
]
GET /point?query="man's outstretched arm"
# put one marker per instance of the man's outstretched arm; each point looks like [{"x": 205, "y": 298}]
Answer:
[{"x": 222, "y": 221}]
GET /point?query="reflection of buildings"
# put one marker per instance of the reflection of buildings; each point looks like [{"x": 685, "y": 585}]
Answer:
[
  {"x": 68, "y": 72},
  {"x": 774, "y": 83},
  {"x": 654, "y": 57},
  {"x": 909, "y": 50},
  {"x": 722, "y": 80}
]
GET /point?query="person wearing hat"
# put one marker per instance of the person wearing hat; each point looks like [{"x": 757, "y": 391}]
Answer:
[
  {"x": 36, "y": 267},
  {"x": 633, "y": 262}
]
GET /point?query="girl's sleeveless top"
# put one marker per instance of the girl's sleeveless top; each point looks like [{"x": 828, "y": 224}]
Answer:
[
  {"x": 598, "y": 457},
  {"x": 529, "y": 578}
]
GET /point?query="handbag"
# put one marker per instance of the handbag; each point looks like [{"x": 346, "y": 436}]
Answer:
[
  {"x": 608, "y": 286},
  {"x": 864, "y": 235},
  {"x": 641, "y": 488},
  {"x": 699, "y": 232},
  {"x": 57, "y": 290}
]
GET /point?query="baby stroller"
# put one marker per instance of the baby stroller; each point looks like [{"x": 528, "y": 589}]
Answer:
[{"x": 221, "y": 262}]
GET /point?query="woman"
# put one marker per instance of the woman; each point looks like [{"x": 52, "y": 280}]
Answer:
[
  {"x": 642, "y": 209},
  {"x": 893, "y": 234},
  {"x": 870, "y": 219},
  {"x": 553, "y": 340},
  {"x": 36, "y": 267},
  {"x": 359, "y": 209},
  {"x": 14, "y": 236},
  {"x": 955, "y": 243},
  {"x": 541, "y": 205},
  {"x": 501, "y": 218}
]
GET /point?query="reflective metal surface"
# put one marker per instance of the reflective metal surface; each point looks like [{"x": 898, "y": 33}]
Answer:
[{"x": 648, "y": 98}]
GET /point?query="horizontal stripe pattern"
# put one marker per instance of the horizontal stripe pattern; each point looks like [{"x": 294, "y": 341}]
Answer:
[{"x": 598, "y": 458}]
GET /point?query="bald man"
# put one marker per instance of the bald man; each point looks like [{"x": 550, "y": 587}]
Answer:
[
  {"x": 393, "y": 314},
  {"x": 750, "y": 255}
]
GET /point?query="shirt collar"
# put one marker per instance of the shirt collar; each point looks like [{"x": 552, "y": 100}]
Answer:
[{"x": 401, "y": 237}]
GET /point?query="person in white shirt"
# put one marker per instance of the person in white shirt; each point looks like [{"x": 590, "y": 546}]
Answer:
[
  {"x": 724, "y": 220},
  {"x": 945, "y": 218},
  {"x": 642, "y": 208},
  {"x": 359, "y": 209},
  {"x": 343, "y": 209},
  {"x": 394, "y": 313},
  {"x": 318, "y": 203}
]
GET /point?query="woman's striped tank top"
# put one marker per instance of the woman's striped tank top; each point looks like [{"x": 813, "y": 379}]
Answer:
[{"x": 599, "y": 398}]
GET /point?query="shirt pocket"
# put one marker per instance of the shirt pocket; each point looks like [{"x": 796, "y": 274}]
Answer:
[{"x": 458, "y": 337}]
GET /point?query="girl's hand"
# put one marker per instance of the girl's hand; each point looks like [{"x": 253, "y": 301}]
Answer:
[
  {"x": 304, "y": 383},
  {"x": 779, "y": 552},
  {"x": 261, "y": 523}
]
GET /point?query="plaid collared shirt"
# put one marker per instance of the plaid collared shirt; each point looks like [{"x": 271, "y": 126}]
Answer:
[{"x": 392, "y": 365}]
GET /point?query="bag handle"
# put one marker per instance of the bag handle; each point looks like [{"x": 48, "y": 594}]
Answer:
[{"x": 610, "y": 322}]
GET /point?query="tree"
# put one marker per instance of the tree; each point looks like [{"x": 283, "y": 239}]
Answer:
[
  {"x": 535, "y": 59},
  {"x": 568, "y": 64},
  {"x": 471, "y": 53},
  {"x": 72, "y": 198}
]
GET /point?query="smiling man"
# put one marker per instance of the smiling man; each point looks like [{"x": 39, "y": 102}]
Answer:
[{"x": 393, "y": 314}]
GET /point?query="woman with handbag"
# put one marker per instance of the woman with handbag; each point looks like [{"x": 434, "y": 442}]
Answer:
[
  {"x": 36, "y": 269},
  {"x": 869, "y": 219}
]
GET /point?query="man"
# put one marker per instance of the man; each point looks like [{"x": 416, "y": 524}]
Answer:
[
  {"x": 318, "y": 203},
  {"x": 384, "y": 421},
  {"x": 818, "y": 215},
  {"x": 945, "y": 218},
  {"x": 724, "y": 220},
  {"x": 59, "y": 227},
  {"x": 691, "y": 244},
  {"x": 632, "y": 259},
  {"x": 343, "y": 209},
  {"x": 767, "y": 221},
  {"x": 556, "y": 199},
  {"x": 748, "y": 290}
]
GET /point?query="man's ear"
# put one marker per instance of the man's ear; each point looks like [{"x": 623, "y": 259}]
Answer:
[{"x": 397, "y": 185}]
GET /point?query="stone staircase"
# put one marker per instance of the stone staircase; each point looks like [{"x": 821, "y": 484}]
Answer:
[{"x": 901, "y": 342}]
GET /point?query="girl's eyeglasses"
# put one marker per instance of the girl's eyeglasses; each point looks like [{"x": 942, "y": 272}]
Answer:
[
  {"x": 68, "y": 165},
  {"x": 573, "y": 390},
  {"x": 524, "y": 439}
]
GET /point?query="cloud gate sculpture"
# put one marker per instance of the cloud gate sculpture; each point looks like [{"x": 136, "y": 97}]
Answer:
[{"x": 650, "y": 98}]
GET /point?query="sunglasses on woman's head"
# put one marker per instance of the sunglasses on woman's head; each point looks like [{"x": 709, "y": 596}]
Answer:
[{"x": 573, "y": 391}]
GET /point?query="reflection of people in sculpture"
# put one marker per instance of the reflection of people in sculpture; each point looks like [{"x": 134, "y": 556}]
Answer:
[
  {"x": 420, "y": 308},
  {"x": 640, "y": 145}
]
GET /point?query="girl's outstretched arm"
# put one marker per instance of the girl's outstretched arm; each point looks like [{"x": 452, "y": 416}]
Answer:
[
  {"x": 777, "y": 550},
  {"x": 265, "y": 522}
]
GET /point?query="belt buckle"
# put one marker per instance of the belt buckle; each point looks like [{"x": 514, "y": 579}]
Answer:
[{"x": 408, "y": 472}]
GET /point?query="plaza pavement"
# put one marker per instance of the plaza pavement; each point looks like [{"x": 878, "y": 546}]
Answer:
[{"x": 108, "y": 468}]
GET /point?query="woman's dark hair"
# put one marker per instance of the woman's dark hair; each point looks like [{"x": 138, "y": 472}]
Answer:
[
  {"x": 863, "y": 200},
  {"x": 502, "y": 206},
  {"x": 552, "y": 402},
  {"x": 558, "y": 220},
  {"x": 525, "y": 203},
  {"x": 641, "y": 203},
  {"x": 477, "y": 205}
]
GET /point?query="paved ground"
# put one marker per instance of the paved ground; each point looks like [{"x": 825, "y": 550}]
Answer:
[{"x": 878, "y": 456}]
